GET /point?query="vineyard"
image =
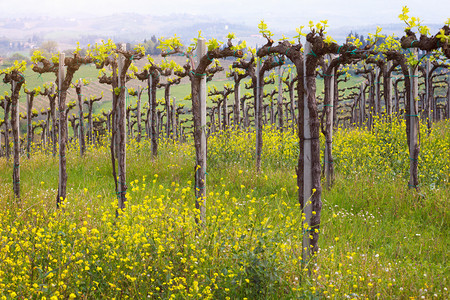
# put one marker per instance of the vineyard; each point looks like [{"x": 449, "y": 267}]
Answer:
[{"x": 301, "y": 169}]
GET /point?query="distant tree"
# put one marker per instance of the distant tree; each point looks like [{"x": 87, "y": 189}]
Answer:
[
  {"x": 16, "y": 56},
  {"x": 151, "y": 46},
  {"x": 69, "y": 52},
  {"x": 48, "y": 48},
  {"x": 355, "y": 36},
  {"x": 36, "y": 38}
]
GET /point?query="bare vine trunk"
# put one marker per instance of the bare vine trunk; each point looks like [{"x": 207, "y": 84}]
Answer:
[
  {"x": 312, "y": 203},
  {"x": 258, "y": 92},
  {"x": 167, "y": 100},
  {"x": 121, "y": 135},
  {"x": 15, "y": 87},
  {"x": 62, "y": 185},
  {"x": 387, "y": 87},
  {"x": 280, "y": 101},
  {"x": 138, "y": 115},
  {"x": 81, "y": 140},
  {"x": 237, "y": 97},
  {"x": 91, "y": 124},
  {"x": 448, "y": 96},
  {"x": 372, "y": 106},
  {"x": 225, "y": 112},
  {"x": 7, "y": 108},
  {"x": 30, "y": 98},
  {"x": 377, "y": 97},
  {"x": 328, "y": 109},
  {"x": 153, "y": 127},
  {"x": 198, "y": 88},
  {"x": 412, "y": 113},
  {"x": 52, "y": 99},
  {"x": 362, "y": 106}
]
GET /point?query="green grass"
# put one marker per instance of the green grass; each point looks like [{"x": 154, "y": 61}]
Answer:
[{"x": 378, "y": 239}]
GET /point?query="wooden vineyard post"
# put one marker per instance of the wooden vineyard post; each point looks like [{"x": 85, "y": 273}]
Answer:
[
  {"x": 258, "y": 112},
  {"x": 307, "y": 166},
  {"x": 413, "y": 119},
  {"x": 30, "y": 97},
  {"x": 292, "y": 99},
  {"x": 372, "y": 107},
  {"x": 153, "y": 116},
  {"x": 7, "y": 108},
  {"x": 428, "y": 97},
  {"x": 362, "y": 106},
  {"x": 448, "y": 95},
  {"x": 280, "y": 99},
  {"x": 138, "y": 114},
  {"x": 174, "y": 119},
  {"x": 237, "y": 98},
  {"x": 82, "y": 141},
  {"x": 244, "y": 115},
  {"x": 122, "y": 134},
  {"x": 90, "y": 123},
  {"x": 201, "y": 163},
  {"x": 376, "y": 92},
  {"x": 90, "y": 103},
  {"x": 167, "y": 100},
  {"x": 16, "y": 140},
  {"x": 224, "y": 113},
  {"x": 388, "y": 89},
  {"x": 328, "y": 107},
  {"x": 60, "y": 197},
  {"x": 150, "y": 106},
  {"x": 52, "y": 98}
]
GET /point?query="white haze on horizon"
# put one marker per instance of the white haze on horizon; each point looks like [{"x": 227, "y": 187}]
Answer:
[{"x": 282, "y": 14}]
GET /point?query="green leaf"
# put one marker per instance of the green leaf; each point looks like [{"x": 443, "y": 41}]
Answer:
[
  {"x": 231, "y": 35},
  {"x": 443, "y": 38},
  {"x": 213, "y": 44},
  {"x": 424, "y": 30},
  {"x": 300, "y": 33},
  {"x": 329, "y": 40},
  {"x": 263, "y": 29}
]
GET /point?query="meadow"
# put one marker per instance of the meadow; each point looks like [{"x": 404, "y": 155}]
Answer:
[{"x": 378, "y": 238}]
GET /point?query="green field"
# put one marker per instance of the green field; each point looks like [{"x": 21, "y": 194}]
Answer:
[{"x": 378, "y": 239}]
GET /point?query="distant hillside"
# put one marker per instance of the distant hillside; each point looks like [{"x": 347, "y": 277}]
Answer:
[
  {"x": 131, "y": 27},
  {"x": 120, "y": 27}
]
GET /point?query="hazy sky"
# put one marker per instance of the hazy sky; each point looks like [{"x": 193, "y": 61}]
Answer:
[{"x": 282, "y": 14}]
